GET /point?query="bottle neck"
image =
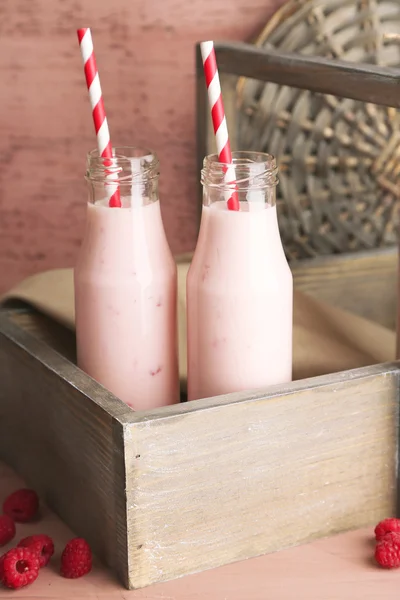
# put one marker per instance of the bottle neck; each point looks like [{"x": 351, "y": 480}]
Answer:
[
  {"x": 131, "y": 170},
  {"x": 252, "y": 178}
]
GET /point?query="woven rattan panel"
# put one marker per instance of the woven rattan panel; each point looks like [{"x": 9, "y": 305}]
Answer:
[{"x": 338, "y": 158}]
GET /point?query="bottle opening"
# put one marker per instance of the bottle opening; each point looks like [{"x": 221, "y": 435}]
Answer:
[
  {"x": 250, "y": 171},
  {"x": 132, "y": 173},
  {"x": 127, "y": 165}
]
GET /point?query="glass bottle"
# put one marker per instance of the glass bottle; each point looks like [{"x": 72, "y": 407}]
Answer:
[
  {"x": 239, "y": 285},
  {"x": 126, "y": 284}
]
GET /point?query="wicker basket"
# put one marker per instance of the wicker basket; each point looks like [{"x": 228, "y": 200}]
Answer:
[{"x": 338, "y": 158}]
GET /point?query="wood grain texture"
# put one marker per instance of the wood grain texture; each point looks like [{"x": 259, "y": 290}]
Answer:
[
  {"x": 61, "y": 431},
  {"x": 220, "y": 480},
  {"x": 334, "y": 568},
  {"x": 368, "y": 83},
  {"x": 364, "y": 283},
  {"x": 145, "y": 55},
  {"x": 47, "y": 330}
]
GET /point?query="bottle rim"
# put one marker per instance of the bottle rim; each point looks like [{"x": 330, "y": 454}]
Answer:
[
  {"x": 249, "y": 169},
  {"x": 127, "y": 165}
]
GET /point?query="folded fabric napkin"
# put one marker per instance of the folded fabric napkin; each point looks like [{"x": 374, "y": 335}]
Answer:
[{"x": 326, "y": 339}]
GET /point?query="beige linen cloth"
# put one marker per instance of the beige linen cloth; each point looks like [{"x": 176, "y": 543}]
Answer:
[{"x": 326, "y": 339}]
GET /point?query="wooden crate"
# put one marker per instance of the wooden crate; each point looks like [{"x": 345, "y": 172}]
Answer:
[{"x": 163, "y": 493}]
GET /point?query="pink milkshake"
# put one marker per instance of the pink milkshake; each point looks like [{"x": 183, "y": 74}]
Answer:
[
  {"x": 126, "y": 286},
  {"x": 239, "y": 286}
]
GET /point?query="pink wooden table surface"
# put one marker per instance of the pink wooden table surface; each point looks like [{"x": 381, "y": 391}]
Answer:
[{"x": 338, "y": 568}]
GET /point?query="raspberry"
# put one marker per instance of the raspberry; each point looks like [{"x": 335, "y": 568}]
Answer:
[
  {"x": 387, "y": 526},
  {"x": 387, "y": 551},
  {"x": 1, "y": 567},
  {"x": 19, "y": 567},
  {"x": 7, "y": 529},
  {"x": 22, "y": 505},
  {"x": 76, "y": 559},
  {"x": 42, "y": 545}
]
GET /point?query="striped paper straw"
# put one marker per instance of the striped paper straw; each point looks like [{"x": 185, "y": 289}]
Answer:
[
  {"x": 218, "y": 116},
  {"x": 96, "y": 101}
]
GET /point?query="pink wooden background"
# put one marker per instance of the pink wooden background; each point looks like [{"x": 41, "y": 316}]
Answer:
[{"x": 146, "y": 60}]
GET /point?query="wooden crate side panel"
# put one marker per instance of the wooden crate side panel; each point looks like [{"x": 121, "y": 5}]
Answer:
[
  {"x": 60, "y": 440},
  {"x": 364, "y": 283},
  {"x": 227, "y": 482},
  {"x": 121, "y": 559}
]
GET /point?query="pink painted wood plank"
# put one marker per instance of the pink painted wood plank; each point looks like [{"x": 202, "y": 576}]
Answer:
[{"x": 145, "y": 54}]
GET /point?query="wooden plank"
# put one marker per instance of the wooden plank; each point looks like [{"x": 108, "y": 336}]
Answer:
[
  {"x": 228, "y": 478},
  {"x": 364, "y": 283},
  {"x": 368, "y": 83},
  {"x": 62, "y": 432},
  {"x": 121, "y": 558},
  {"x": 48, "y": 330},
  {"x": 338, "y": 568}
]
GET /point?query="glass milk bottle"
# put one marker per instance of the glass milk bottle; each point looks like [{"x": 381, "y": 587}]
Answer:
[
  {"x": 126, "y": 284},
  {"x": 239, "y": 285}
]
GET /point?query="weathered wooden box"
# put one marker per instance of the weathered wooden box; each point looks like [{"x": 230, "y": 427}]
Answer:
[{"x": 164, "y": 493}]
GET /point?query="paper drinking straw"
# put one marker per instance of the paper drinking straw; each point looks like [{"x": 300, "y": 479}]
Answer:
[
  {"x": 96, "y": 101},
  {"x": 218, "y": 117}
]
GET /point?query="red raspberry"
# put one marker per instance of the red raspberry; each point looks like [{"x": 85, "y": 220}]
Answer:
[
  {"x": 22, "y": 505},
  {"x": 76, "y": 559},
  {"x": 7, "y": 529},
  {"x": 1, "y": 567},
  {"x": 387, "y": 551},
  {"x": 387, "y": 526},
  {"x": 19, "y": 567},
  {"x": 42, "y": 545}
]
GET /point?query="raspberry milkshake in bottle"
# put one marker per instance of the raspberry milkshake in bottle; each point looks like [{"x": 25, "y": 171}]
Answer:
[
  {"x": 126, "y": 284},
  {"x": 239, "y": 285}
]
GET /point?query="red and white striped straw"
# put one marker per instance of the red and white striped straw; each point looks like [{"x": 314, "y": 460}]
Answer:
[
  {"x": 96, "y": 101},
  {"x": 218, "y": 116}
]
